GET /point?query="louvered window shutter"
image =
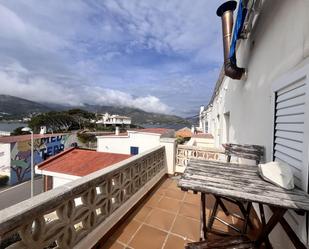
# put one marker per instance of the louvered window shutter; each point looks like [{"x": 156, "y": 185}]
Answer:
[{"x": 291, "y": 131}]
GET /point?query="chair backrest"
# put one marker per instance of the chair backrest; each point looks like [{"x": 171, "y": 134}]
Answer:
[{"x": 247, "y": 151}]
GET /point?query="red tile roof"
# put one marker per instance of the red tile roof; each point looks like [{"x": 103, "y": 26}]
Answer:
[
  {"x": 184, "y": 132},
  {"x": 203, "y": 135},
  {"x": 12, "y": 139},
  {"x": 80, "y": 162}
]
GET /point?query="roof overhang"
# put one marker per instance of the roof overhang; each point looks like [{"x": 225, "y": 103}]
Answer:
[{"x": 55, "y": 174}]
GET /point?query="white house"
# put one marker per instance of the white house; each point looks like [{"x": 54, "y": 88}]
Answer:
[
  {"x": 134, "y": 141},
  {"x": 138, "y": 141},
  {"x": 73, "y": 164},
  {"x": 202, "y": 140},
  {"x": 269, "y": 105},
  {"x": 108, "y": 119}
]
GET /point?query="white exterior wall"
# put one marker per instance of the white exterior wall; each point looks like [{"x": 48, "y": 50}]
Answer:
[
  {"x": 277, "y": 46},
  {"x": 59, "y": 181},
  {"x": 201, "y": 142},
  {"x": 115, "y": 144},
  {"x": 122, "y": 144},
  {"x": 170, "y": 153},
  {"x": 5, "y": 159}
]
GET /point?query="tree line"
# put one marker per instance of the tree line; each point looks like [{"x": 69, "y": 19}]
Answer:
[{"x": 62, "y": 121}]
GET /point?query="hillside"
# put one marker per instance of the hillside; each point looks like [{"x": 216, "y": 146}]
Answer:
[
  {"x": 18, "y": 107},
  {"x": 14, "y": 107},
  {"x": 138, "y": 116}
]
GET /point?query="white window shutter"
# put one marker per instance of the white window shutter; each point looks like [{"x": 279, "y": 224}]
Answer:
[{"x": 291, "y": 132}]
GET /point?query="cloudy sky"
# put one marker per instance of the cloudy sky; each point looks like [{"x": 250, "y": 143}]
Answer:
[{"x": 158, "y": 55}]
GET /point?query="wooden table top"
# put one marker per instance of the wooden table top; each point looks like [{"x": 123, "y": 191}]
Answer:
[{"x": 240, "y": 182}]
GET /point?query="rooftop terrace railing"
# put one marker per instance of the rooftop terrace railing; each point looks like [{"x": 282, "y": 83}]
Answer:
[
  {"x": 185, "y": 153},
  {"x": 78, "y": 214}
]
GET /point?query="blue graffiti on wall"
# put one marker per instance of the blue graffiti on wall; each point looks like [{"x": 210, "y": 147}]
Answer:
[
  {"x": 53, "y": 145},
  {"x": 21, "y": 155}
]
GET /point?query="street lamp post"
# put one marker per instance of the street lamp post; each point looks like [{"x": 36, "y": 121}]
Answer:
[{"x": 27, "y": 129}]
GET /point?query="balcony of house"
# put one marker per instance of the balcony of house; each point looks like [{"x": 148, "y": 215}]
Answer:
[
  {"x": 167, "y": 218},
  {"x": 132, "y": 204}
]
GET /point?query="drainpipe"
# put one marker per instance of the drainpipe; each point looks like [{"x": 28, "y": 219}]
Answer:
[{"x": 225, "y": 11}]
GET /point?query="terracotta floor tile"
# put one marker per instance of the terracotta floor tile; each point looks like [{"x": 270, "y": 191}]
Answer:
[
  {"x": 175, "y": 194},
  {"x": 161, "y": 191},
  {"x": 194, "y": 199},
  {"x": 210, "y": 201},
  {"x": 126, "y": 231},
  {"x": 186, "y": 227},
  {"x": 173, "y": 185},
  {"x": 167, "y": 183},
  {"x": 148, "y": 237},
  {"x": 142, "y": 213},
  {"x": 153, "y": 200},
  {"x": 232, "y": 207},
  {"x": 222, "y": 216},
  {"x": 168, "y": 204},
  {"x": 160, "y": 219},
  {"x": 159, "y": 210},
  {"x": 110, "y": 244},
  {"x": 175, "y": 242},
  {"x": 190, "y": 210}
]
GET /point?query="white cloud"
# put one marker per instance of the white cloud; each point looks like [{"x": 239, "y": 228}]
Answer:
[
  {"x": 16, "y": 81},
  {"x": 118, "y": 49}
]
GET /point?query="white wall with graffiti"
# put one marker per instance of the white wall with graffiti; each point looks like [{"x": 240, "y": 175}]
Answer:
[
  {"x": 5, "y": 159},
  {"x": 16, "y": 156}
]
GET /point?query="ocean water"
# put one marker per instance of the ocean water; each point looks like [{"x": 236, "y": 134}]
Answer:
[{"x": 7, "y": 126}]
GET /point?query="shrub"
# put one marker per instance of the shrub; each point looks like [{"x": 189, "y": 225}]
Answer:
[
  {"x": 86, "y": 137},
  {"x": 3, "y": 180},
  {"x": 182, "y": 140}
]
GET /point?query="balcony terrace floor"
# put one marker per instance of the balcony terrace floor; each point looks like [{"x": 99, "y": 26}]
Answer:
[{"x": 167, "y": 218}]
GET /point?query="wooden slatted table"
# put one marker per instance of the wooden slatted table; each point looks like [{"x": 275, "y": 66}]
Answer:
[{"x": 242, "y": 182}]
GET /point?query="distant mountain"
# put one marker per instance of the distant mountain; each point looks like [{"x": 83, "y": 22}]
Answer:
[
  {"x": 139, "y": 116},
  {"x": 14, "y": 107},
  {"x": 18, "y": 107}
]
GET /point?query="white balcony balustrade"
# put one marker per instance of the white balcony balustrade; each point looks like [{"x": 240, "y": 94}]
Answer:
[
  {"x": 78, "y": 214},
  {"x": 185, "y": 153}
]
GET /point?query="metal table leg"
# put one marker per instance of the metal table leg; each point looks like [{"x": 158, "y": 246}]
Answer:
[
  {"x": 203, "y": 227},
  {"x": 269, "y": 226}
]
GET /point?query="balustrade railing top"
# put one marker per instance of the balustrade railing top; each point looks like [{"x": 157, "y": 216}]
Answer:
[
  {"x": 80, "y": 206},
  {"x": 185, "y": 153}
]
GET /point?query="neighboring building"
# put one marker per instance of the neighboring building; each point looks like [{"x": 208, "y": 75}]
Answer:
[
  {"x": 5, "y": 133},
  {"x": 201, "y": 140},
  {"x": 184, "y": 132},
  {"x": 269, "y": 106},
  {"x": 73, "y": 164},
  {"x": 139, "y": 141},
  {"x": 15, "y": 153},
  {"x": 203, "y": 119},
  {"x": 114, "y": 120},
  {"x": 134, "y": 141}
]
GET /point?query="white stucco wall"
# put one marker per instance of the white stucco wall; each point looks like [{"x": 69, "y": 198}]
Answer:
[
  {"x": 278, "y": 45},
  {"x": 5, "y": 159},
  {"x": 170, "y": 153},
  {"x": 59, "y": 181},
  {"x": 201, "y": 142},
  {"x": 122, "y": 144}
]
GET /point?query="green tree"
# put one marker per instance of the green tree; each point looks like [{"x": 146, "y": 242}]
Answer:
[{"x": 56, "y": 121}]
